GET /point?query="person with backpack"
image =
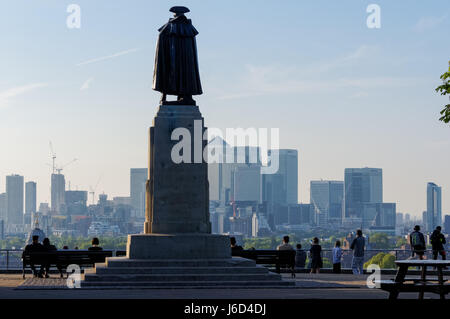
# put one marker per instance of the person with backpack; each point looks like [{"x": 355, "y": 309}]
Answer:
[
  {"x": 417, "y": 241},
  {"x": 437, "y": 243}
]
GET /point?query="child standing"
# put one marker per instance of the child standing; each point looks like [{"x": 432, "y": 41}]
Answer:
[{"x": 337, "y": 256}]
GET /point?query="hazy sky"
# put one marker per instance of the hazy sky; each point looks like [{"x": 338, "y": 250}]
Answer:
[{"x": 342, "y": 94}]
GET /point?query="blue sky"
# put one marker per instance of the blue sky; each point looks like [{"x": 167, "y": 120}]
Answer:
[{"x": 342, "y": 94}]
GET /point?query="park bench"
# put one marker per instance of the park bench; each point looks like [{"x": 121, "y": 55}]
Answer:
[
  {"x": 63, "y": 258},
  {"x": 279, "y": 258}
]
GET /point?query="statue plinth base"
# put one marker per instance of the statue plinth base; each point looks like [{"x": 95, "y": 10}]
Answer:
[{"x": 178, "y": 246}]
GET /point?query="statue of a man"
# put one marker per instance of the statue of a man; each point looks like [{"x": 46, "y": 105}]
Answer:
[{"x": 176, "y": 63}]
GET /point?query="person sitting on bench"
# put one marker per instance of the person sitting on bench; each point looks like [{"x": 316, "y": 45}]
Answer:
[
  {"x": 33, "y": 247},
  {"x": 234, "y": 246},
  {"x": 47, "y": 247},
  {"x": 95, "y": 245},
  {"x": 285, "y": 245}
]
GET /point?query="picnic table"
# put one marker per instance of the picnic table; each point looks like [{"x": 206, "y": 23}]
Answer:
[{"x": 401, "y": 283}]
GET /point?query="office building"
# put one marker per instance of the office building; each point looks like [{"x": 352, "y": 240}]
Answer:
[
  {"x": 288, "y": 172},
  {"x": 14, "y": 199},
  {"x": 326, "y": 198},
  {"x": 58, "y": 193},
  {"x": 3, "y": 208},
  {"x": 362, "y": 186},
  {"x": 434, "y": 210},
  {"x": 76, "y": 202},
  {"x": 30, "y": 198},
  {"x": 138, "y": 179},
  {"x": 446, "y": 227},
  {"x": 247, "y": 183}
]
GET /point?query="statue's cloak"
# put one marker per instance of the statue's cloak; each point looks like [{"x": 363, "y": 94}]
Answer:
[{"x": 176, "y": 63}]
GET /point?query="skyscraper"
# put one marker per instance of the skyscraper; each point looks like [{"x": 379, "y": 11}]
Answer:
[
  {"x": 138, "y": 179},
  {"x": 288, "y": 169},
  {"x": 447, "y": 224},
  {"x": 326, "y": 198},
  {"x": 247, "y": 183},
  {"x": 30, "y": 197},
  {"x": 3, "y": 208},
  {"x": 362, "y": 185},
  {"x": 14, "y": 199},
  {"x": 434, "y": 212},
  {"x": 58, "y": 193}
]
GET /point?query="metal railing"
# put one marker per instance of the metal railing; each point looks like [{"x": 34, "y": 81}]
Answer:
[{"x": 12, "y": 258}]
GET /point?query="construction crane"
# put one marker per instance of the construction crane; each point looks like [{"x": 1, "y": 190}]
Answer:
[
  {"x": 67, "y": 164},
  {"x": 53, "y": 155},
  {"x": 92, "y": 190}
]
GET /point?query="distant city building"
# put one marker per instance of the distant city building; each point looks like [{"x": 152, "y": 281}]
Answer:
[
  {"x": 76, "y": 202},
  {"x": 434, "y": 210},
  {"x": 247, "y": 183},
  {"x": 288, "y": 169},
  {"x": 3, "y": 207},
  {"x": 447, "y": 224},
  {"x": 58, "y": 192},
  {"x": 44, "y": 208},
  {"x": 300, "y": 214},
  {"x": 326, "y": 198},
  {"x": 30, "y": 197},
  {"x": 122, "y": 200},
  {"x": 14, "y": 199},
  {"x": 362, "y": 186},
  {"x": 138, "y": 179}
]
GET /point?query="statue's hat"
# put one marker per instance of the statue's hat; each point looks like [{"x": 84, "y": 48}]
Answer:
[{"x": 179, "y": 9}]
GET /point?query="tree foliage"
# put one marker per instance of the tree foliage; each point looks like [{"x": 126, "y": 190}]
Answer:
[
  {"x": 444, "y": 89},
  {"x": 384, "y": 260}
]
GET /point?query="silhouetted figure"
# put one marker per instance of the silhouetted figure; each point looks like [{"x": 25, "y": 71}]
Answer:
[
  {"x": 234, "y": 246},
  {"x": 65, "y": 247},
  {"x": 337, "y": 256},
  {"x": 95, "y": 245},
  {"x": 285, "y": 245},
  {"x": 47, "y": 247},
  {"x": 300, "y": 257},
  {"x": 437, "y": 243},
  {"x": 176, "y": 63},
  {"x": 35, "y": 246},
  {"x": 316, "y": 256},
  {"x": 417, "y": 241},
  {"x": 358, "y": 245}
]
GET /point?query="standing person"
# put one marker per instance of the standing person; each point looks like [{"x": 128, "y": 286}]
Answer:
[
  {"x": 316, "y": 256},
  {"x": 417, "y": 241},
  {"x": 337, "y": 256},
  {"x": 47, "y": 247},
  {"x": 358, "y": 253},
  {"x": 437, "y": 243},
  {"x": 300, "y": 257},
  {"x": 285, "y": 245}
]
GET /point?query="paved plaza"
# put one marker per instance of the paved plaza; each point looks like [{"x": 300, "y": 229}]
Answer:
[{"x": 308, "y": 286}]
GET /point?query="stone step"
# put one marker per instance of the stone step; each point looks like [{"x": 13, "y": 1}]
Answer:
[
  {"x": 181, "y": 277},
  {"x": 99, "y": 270},
  {"x": 150, "y": 263},
  {"x": 185, "y": 284}
]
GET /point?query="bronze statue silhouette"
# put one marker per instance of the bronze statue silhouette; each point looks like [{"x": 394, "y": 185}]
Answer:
[{"x": 176, "y": 64}]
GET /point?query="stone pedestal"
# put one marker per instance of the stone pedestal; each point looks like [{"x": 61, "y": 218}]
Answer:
[
  {"x": 177, "y": 193},
  {"x": 178, "y": 246}
]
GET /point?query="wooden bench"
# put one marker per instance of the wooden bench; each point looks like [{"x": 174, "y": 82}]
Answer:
[
  {"x": 279, "y": 258},
  {"x": 63, "y": 258}
]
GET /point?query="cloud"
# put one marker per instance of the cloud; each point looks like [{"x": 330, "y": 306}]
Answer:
[
  {"x": 266, "y": 80},
  {"x": 7, "y": 95},
  {"x": 115, "y": 55},
  {"x": 86, "y": 84},
  {"x": 428, "y": 23}
]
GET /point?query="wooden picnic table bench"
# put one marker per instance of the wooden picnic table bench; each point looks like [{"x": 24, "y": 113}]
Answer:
[{"x": 401, "y": 283}]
